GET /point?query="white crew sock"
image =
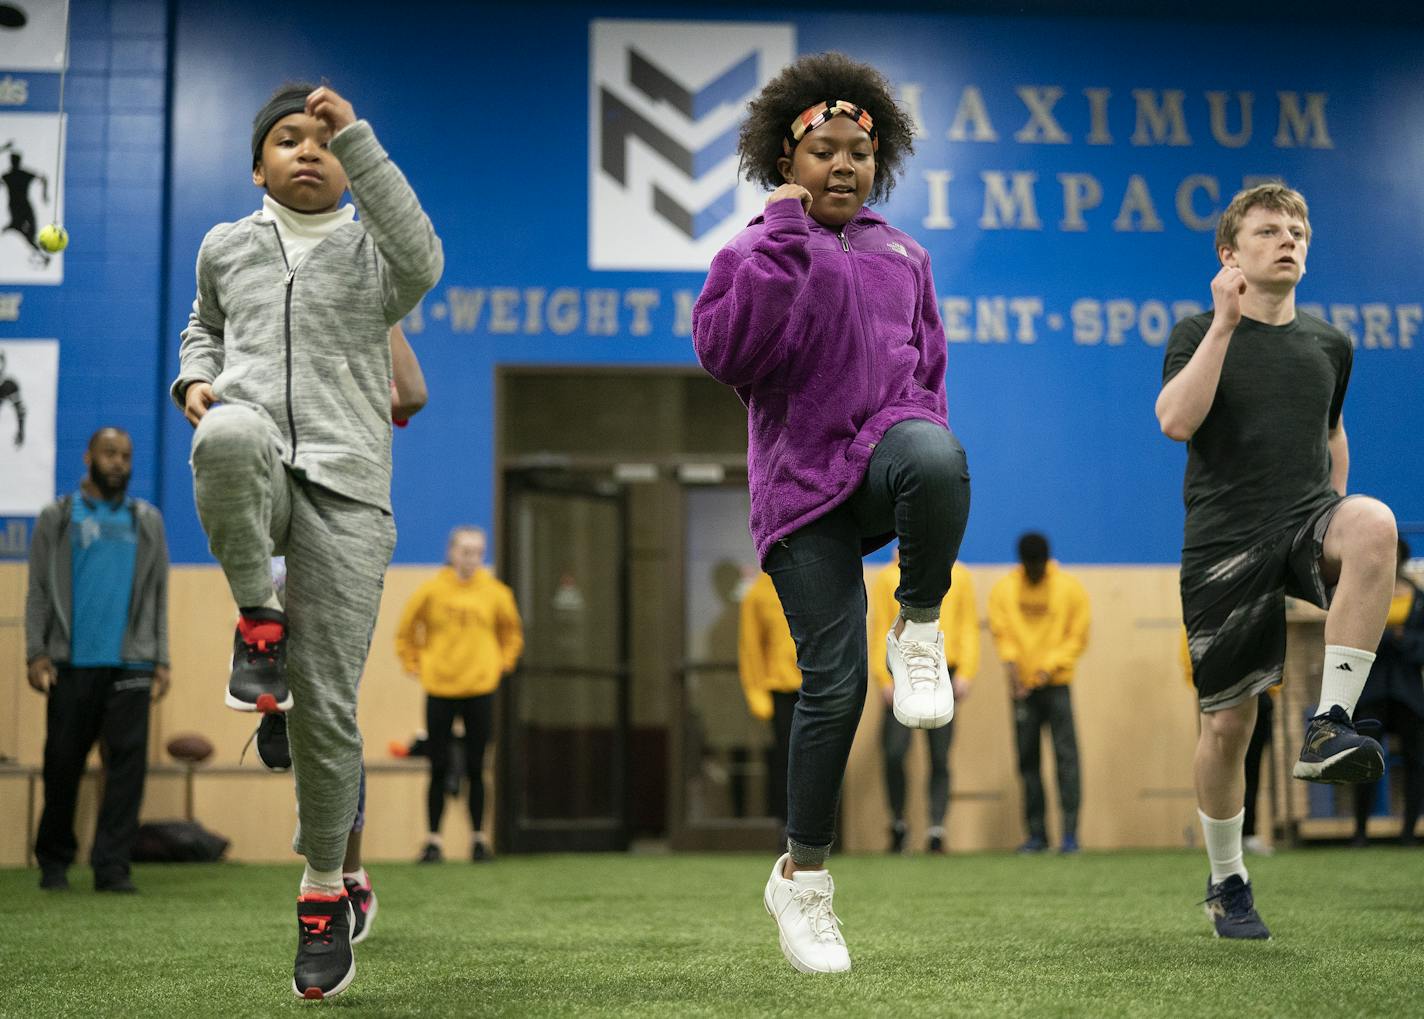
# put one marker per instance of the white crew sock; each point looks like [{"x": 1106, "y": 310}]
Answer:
[
  {"x": 1342, "y": 679},
  {"x": 358, "y": 875},
  {"x": 434, "y": 839},
  {"x": 273, "y": 602},
  {"x": 1223, "y": 845},
  {"x": 925, "y": 633},
  {"x": 322, "y": 882}
]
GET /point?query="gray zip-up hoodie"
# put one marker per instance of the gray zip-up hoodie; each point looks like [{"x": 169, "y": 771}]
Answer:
[
  {"x": 308, "y": 347},
  {"x": 49, "y": 600}
]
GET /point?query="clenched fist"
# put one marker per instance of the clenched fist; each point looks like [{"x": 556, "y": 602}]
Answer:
[
  {"x": 795, "y": 191},
  {"x": 327, "y": 106},
  {"x": 196, "y": 400},
  {"x": 1226, "y": 291}
]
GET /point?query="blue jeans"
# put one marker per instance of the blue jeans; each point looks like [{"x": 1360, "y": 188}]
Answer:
[{"x": 917, "y": 487}]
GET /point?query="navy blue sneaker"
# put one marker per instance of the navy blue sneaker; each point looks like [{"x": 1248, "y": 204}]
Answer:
[
  {"x": 1233, "y": 911},
  {"x": 1069, "y": 846},
  {"x": 1035, "y": 844},
  {"x": 1336, "y": 751}
]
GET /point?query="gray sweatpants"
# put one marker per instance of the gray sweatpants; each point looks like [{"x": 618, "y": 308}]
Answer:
[{"x": 253, "y": 506}]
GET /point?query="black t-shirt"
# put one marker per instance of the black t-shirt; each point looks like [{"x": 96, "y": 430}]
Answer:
[{"x": 1260, "y": 460}]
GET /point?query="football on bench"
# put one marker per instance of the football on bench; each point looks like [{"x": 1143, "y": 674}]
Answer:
[{"x": 190, "y": 748}]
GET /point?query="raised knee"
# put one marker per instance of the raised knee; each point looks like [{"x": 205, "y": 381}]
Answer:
[
  {"x": 227, "y": 430},
  {"x": 1377, "y": 531},
  {"x": 939, "y": 455}
]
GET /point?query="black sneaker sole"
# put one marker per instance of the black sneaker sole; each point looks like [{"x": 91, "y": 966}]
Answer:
[
  {"x": 1349, "y": 767},
  {"x": 317, "y": 994}
]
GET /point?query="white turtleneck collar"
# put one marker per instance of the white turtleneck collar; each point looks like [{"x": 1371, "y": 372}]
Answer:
[{"x": 302, "y": 231}]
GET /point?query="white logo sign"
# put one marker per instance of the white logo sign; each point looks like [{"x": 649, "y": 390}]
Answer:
[{"x": 666, "y": 99}]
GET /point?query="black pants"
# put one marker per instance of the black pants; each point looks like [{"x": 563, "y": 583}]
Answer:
[
  {"x": 1397, "y": 718},
  {"x": 916, "y": 485},
  {"x": 111, "y": 706},
  {"x": 478, "y": 714},
  {"x": 895, "y": 742},
  {"x": 1051, "y": 706},
  {"x": 783, "y": 709},
  {"x": 1255, "y": 750}
]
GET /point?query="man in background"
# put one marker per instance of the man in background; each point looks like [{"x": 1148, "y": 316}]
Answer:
[
  {"x": 96, "y": 644},
  {"x": 1039, "y": 617}
]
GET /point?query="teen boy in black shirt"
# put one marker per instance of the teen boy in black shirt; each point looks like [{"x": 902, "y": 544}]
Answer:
[{"x": 1255, "y": 390}]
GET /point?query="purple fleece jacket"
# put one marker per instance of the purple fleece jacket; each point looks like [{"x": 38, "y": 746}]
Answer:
[{"x": 829, "y": 338}]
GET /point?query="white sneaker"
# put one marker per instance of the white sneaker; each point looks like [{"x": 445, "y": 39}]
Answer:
[
  {"x": 1257, "y": 846},
  {"x": 810, "y": 931},
  {"x": 924, "y": 695}
]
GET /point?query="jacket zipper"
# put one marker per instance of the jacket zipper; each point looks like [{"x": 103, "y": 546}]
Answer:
[
  {"x": 287, "y": 336},
  {"x": 860, "y": 315}
]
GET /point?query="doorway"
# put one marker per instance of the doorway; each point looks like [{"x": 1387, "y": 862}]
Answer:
[{"x": 624, "y": 536}]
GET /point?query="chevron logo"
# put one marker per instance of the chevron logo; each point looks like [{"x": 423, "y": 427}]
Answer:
[{"x": 666, "y": 102}]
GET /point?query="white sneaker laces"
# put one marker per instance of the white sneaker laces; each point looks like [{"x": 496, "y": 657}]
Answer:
[
  {"x": 921, "y": 661},
  {"x": 815, "y": 905}
]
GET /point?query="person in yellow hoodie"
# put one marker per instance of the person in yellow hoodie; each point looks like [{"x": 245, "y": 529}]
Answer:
[
  {"x": 1039, "y": 617},
  {"x": 766, "y": 660},
  {"x": 460, "y": 633},
  {"x": 960, "y": 624}
]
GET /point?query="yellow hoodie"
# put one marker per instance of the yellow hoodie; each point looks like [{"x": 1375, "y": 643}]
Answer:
[
  {"x": 1040, "y": 627},
  {"x": 766, "y": 654},
  {"x": 957, "y": 619},
  {"x": 460, "y": 636}
]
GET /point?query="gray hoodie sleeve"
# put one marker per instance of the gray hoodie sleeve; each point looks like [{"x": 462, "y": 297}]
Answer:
[
  {"x": 411, "y": 258},
  {"x": 200, "y": 357},
  {"x": 39, "y": 599},
  {"x": 160, "y": 596}
]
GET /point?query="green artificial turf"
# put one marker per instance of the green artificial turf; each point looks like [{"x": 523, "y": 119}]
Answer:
[{"x": 1107, "y": 934}]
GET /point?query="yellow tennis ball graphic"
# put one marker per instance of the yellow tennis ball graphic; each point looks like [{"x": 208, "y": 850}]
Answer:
[{"x": 54, "y": 238}]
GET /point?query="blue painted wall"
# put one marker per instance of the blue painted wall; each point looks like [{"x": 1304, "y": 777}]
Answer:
[
  {"x": 108, "y": 312},
  {"x": 489, "y": 114}
]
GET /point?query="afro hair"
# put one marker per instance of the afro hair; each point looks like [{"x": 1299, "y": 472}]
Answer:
[{"x": 806, "y": 82}]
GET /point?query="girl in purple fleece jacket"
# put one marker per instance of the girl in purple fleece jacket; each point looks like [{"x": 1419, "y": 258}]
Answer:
[{"x": 824, "y": 319}]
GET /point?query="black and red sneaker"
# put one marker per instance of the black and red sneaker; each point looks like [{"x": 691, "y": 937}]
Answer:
[
  {"x": 259, "y": 663},
  {"x": 325, "y": 963},
  {"x": 363, "y": 907}
]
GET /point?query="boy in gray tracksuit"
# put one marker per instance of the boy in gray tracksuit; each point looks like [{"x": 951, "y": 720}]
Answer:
[{"x": 285, "y": 373}]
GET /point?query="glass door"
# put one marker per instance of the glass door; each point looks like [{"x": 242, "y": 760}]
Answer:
[
  {"x": 724, "y": 754},
  {"x": 565, "y": 711}
]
